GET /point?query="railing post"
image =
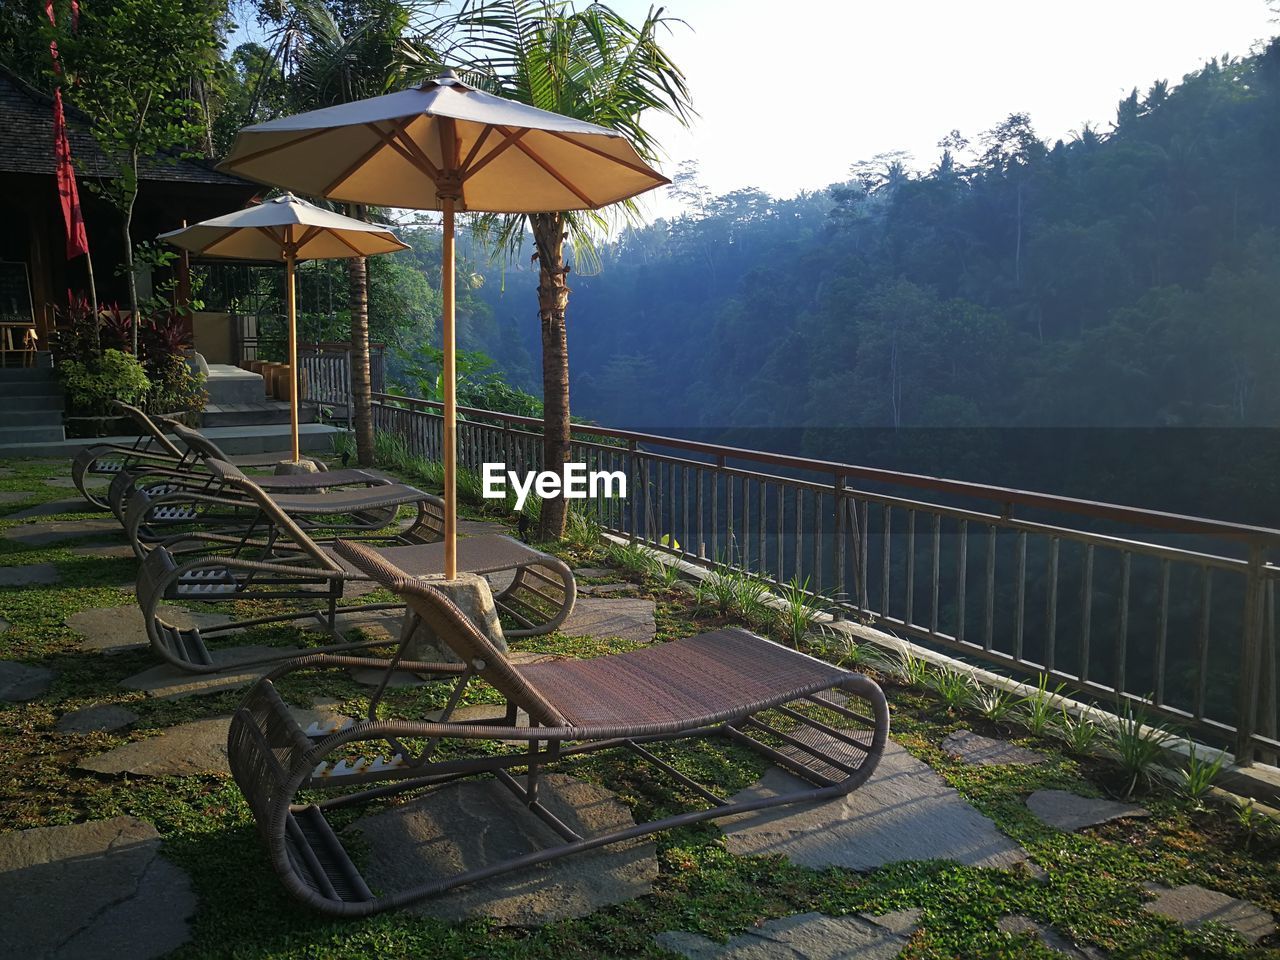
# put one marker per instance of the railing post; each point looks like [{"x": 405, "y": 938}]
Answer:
[
  {"x": 632, "y": 469},
  {"x": 1250, "y": 656},
  {"x": 837, "y": 546}
]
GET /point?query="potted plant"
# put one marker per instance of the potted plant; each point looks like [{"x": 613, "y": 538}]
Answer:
[{"x": 92, "y": 384}]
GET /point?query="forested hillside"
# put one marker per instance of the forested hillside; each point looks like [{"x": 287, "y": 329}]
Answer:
[{"x": 1129, "y": 278}]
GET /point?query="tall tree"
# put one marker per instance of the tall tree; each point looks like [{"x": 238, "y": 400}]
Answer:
[
  {"x": 335, "y": 52},
  {"x": 591, "y": 64},
  {"x": 131, "y": 65}
]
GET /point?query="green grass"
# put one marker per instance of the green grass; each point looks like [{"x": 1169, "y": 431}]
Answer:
[{"x": 1092, "y": 890}]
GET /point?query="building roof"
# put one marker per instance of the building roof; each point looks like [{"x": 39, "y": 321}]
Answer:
[{"x": 26, "y": 142}]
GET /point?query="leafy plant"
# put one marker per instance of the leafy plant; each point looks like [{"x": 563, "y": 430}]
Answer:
[
  {"x": 92, "y": 385},
  {"x": 994, "y": 703},
  {"x": 1195, "y": 779},
  {"x": 1138, "y": 744},
  {"x": 956, "y": 690},
  {"x": 801, "y": 611},
  {"x": 1038, "y": 711},
  {"x": 1078, "y": 733},
  {"x": 913, "y": 670},
  {"x": 582, "y": 530},
  {"x": 632, "y": 558},
  {"x": 718, "y": 590}
]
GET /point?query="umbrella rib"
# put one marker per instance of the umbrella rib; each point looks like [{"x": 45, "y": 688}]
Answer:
[
  {"x": 369, "y": 154},
  {"x": 651, "y": 174},
  {"x": 409, "y": 149},
  {"x": 212, "y": 243},
  {"x": 231, "y": 164},
  {"x": 564, "y": 181},
  {"x": 475, "y": 147},
  {"x": 469, "y": 171},
  {"x": 349, "y": 245},
  {"x": 306, "y": 238},
  {"x": 275, "y": 238}
]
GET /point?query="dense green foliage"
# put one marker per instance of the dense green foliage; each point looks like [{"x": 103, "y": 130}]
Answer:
[{"x": 1126, "y": 279}]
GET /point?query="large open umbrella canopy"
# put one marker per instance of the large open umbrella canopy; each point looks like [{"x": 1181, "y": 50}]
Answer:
[
  {"x": 445, "y": 146},
  {"x": 288, "y": 229}
]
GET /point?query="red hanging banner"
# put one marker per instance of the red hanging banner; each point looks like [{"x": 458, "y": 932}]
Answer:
[{"x": 68, "y": 191}]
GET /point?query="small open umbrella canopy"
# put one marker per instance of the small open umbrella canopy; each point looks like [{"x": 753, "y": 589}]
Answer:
[
  {"x": 445, "y": 146},
  {"x": 286, "y": 229}
]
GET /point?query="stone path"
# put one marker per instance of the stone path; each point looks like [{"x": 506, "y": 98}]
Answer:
[
  {"x": 597, "y": 573},
  {"x": 116, "y": 629},
  {"x": 187, "y": 750},
  {"x": 29, "y": 575},
  {"x": 606, "y": 589},
  {"x": 1069, "y": 812},
  {"x": 50, "y": 508},
  {"x": 169, "y": 682},
  {"x": 92, "y": 891},
  {"x": 476, "y": 823},
  {"x": 45, "y": 533},
  {"x": 905, "y": 811},
  {"x": 198, "y": 748},
  {"x": 974, "y": 748},
  {"x": 805, "y": 936},
  {"x": 1049, "y": 937},
  {"x": 103, "y": 718},
  {"x": 1192, "y": 906},
  {"x": 20, "y": 682},
  {"x": 119, "y": 551},
  {"x": 624, "y": 617}
]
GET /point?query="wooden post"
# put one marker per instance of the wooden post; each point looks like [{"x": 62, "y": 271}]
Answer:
[
  {"x": 291, "y": 308},
  {"x": 449, "y": 378}
]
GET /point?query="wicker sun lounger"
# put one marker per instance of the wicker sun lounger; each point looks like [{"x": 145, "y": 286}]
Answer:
[
  {"x": 278, "y": 561},
  {"x": 826, "y": 725}
]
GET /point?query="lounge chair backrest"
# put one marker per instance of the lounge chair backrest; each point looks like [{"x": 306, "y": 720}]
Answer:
[
  {"x": 453, "y": 627},
  {"x": 232, "y": 477},
  {"x": 148, "y": 428},
  {"x": 200, "y": 445}
]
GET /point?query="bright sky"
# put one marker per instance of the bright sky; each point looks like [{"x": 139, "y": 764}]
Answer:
[{"x": 789, "y": 94}]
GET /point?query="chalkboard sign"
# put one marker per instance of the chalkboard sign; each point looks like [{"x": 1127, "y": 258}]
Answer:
[{"x": 15, "y": 294}]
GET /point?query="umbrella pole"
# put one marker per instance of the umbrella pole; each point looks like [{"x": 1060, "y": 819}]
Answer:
[
  {"x": 291, "y": 308},
  {"x": 449, "y": 378}
]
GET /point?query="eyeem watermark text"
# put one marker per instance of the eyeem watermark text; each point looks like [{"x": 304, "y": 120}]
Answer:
[{"x": 574, "y": 482}]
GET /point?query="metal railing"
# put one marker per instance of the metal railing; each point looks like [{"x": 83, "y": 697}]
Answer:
[{"x": 1174, "y": 612}]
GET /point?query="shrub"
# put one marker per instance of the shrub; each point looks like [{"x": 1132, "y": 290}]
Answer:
[
  {"x": 1038, "y": 711},
  {"x": 956, "y": 690},
  {"x": 993, "y": 703},
  {"x": 1138, "y": 745},
  {"x": 92, "y": 384}
]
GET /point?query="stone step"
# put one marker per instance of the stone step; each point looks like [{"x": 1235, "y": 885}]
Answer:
[
  {"x": 52, "y": 402},
  {"x": 30, "y": 388},
  {"x": 235, "y": 441},
  {"x": 247, "y": 414},
  {"x": 40, "y": 433},
  {"x": 45, "y": 416},
  {"x": 227, "y": 384},
  {"x": 14, "y": 374}
]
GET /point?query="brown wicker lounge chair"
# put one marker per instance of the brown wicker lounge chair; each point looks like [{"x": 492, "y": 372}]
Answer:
[
  {"x": 275, "y": 559},
  {"x": 728, "y": 684},
  {"x": 109, "y": 459}
]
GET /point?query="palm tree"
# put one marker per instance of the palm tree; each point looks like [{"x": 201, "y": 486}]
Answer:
[
  {"x": 336, "y": 52},
  {"x": 591, "y": 64}
]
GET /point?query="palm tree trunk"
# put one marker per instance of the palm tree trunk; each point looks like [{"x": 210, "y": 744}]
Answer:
[
  {"x": 361, "y": 392},
  {"x": 553, "y": 301}
]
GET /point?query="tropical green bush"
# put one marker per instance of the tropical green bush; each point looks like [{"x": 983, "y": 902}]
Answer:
[{"x": 93, "y": 383}]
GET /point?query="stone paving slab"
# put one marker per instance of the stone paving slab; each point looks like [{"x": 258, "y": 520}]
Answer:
[
  {"x": 905, "y": 811},
  {"x": 168, "y": 682},
  {"x": 13, "y": 496},
  {"x": 30, "y": 575},
  {"x": 20, "y": 682},
  {"x": 1069, "y": 812},
  {"x": 804, "y": 936},
  {"x": 1192, "y": 906},
  {"x": 400, "y": 679},
  {"x": 973, "y": 748},
  {"x": 904, "y": 922},
  {"x": 50, "y": 508},
  {"x": 625, "y": 617},
  {"x": 475, "y": 823},
  {"x": 103, "y": 718},
  {"x": 117, "y": 629},
  {"x": 597, "y": 573},
  {"x": 606, "y": 589},
  {"x": 92, "y": 891},
  {"x": 187, "y": 750},
  {"x": 1049, "y": 937},
  {"x": 47, "y": 532},
  {"x": 104, "y": 551}
]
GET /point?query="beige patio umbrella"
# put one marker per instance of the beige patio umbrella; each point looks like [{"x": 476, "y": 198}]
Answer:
[
  {"x": 292, "y": 230},
  {"x": 445, "y": 146}
]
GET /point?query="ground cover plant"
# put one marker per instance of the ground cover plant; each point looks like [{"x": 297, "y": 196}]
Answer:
[{"x": 1088, "y": 886}]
